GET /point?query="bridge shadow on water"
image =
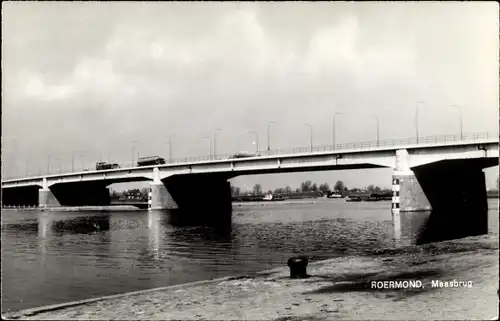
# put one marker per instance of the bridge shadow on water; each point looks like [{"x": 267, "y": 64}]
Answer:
[
  {"x": 189, "y": 225},
  {"x": 438, "y": 225},
  {"x": 456, "y": 223}
]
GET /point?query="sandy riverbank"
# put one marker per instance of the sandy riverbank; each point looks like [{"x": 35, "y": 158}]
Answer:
[{"x": 337, "y": 289}]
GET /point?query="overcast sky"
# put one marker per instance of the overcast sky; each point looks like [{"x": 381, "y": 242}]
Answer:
[{"x": 93, "y": 77}]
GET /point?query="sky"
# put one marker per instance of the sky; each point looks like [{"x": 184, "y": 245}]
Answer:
[{"x": 103, "y": 80}]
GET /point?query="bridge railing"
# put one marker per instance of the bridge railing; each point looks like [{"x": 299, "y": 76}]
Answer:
[
  {"x": 384, "y": 143},
  {"x": 359, "y": 145},
  {"x": 330, "y": 148}
]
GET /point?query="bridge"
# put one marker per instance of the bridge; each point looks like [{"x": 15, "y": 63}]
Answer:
[{"x": 442, "y": 173}]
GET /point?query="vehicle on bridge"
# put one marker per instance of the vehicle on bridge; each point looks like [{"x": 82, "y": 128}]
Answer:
[
  {"x": 103, "y": 165},
  {"x": 243, "y": 155},
  {"x": 150, "y": 160}
]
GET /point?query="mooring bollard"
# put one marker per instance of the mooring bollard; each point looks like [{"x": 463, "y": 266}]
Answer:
[{"x": 298, "y": 267}]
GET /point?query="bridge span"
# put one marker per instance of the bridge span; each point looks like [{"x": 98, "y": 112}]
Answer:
[{"x": 429, "y": 174}]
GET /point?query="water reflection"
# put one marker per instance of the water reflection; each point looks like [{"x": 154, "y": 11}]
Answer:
[
  {"x": 82, "y": 224},
  {"x": 202, "y": 227},
  {"x": 409, "y": 226},
  {"x": 154, "y": 227},
  {"x": 180, "y": 218},
  {"x": 44, "y": 232},
  {"x": 62, "y": 257},
  {"x": 435, "y": 226},
  {"x": 446, "y": 225}
]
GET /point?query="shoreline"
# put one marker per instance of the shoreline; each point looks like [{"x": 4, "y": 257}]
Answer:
[
  {"x": 109, "y": 208},
  {"x": 337, "y": 288},
  {"x": 118, "y": 207},
  {"x": 267, "y": 203}
]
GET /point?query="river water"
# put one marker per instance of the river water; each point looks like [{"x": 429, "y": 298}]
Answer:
[{"x": 55, "y": 257}]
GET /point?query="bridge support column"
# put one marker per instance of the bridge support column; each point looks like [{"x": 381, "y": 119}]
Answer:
[
  {"x": 158, "y": 197},
  {"x": 438, "y": 201},
  {"x": 410, "y": 207},
  {"x": 197, "y": 194},
  {"x": 45, "y": 196},
  {"x": 407, "y": 194},
  {"x": 456, "y": 190}
]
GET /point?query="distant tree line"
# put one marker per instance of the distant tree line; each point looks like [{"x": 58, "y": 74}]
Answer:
[
  {"x": 134, "y": 193},
  {"x": 305, "y": 187}
]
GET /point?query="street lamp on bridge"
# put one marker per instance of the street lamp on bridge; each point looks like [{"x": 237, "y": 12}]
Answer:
[
  {"x": 133, "y": 151},
  {"x": 416, "y": 115},
  {"x": 378, "y": 137},
  {"x": 170, "y": 148},
  {"x": 210, "y": 146},
  {"x": 72, "y": 161},
  {"x": 310, "y": 135},
  {"x": 169, "y": 143},
  {"x": 74, "y": 154},
  {"x": 60, "y": 165},
  {"x": 215, "y": 142},
  {"x": 334, "y": 128},
  {"x": 269, "y": 134},
  {"x": 256, "y": 140},
  {"x": 48, "y": 164}
]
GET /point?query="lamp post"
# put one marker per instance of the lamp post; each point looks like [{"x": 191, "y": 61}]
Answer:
[
  {"x": 74, "y": 154},
  {"x": 416, "y": 115},
  {"x": 461, "y": 121},
  {"x": 48, "y": 164},
  {"x": 269, "y": 134},
  {"x": 210, "y": 146},
  {"x": 310, "y": 135},
  {"x": 83, "y": 161},
  {"x": 256, "y": 140},
  {"x": 133, "y": 151},
  {"x": 334, "y": 128},
  {"x": 215, "y": 142},
  {"x": 60, "y": 164},
  {"x": 170, "y": 149},
  {"x": 378, "y": 132}
]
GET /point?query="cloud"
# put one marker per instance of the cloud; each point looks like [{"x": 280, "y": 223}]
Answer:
[{"x": 35, "y": 88}]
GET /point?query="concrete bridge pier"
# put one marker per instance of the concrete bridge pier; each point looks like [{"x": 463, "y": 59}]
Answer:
[
  {"x": 197, "y": 194},
  {"x": 438, "y": 201},
  {"x": 45, "y": 196},
  {"x": 407, "y": 194},
  {"x": 158, "y": 197},
  {"x": 456, "y": 190}
]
